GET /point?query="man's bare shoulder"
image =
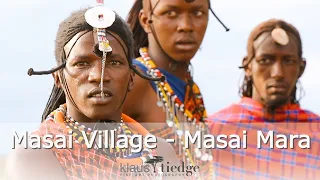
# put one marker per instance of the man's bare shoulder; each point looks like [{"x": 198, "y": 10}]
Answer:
[
  {"x": 32, "y": 164},
  {"x": 135, "y": 97}
]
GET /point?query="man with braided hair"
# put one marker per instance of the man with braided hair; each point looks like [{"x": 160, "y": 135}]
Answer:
[
  {"x": 94, "y": 52},
  {"x": 168, "y": 34},
  {"x": 273, "y": 67}
]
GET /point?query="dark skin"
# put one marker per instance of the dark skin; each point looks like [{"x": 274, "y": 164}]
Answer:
[
  {"x": 275, "y": 70},
  {"x": 83, "y": 73},
  {"x": 180, "y": 28}
]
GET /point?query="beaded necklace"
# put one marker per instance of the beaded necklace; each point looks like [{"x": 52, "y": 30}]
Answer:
[
  {"x": 124, "y": 156},
  {"x": 187, "y": 116}
]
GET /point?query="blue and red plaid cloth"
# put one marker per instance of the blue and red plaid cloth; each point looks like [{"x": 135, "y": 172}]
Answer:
[
  {"x": 265, "y": 162},
  {"x": 82, "y": 163}
]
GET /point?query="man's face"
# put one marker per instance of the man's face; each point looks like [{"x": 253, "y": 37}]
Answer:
[
  {"x": 180, "y": 27},
  {"x": 83, "y": 77},
  {"x": 275, "y": 70}
]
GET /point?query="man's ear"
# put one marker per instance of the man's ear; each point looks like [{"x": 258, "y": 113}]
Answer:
[
  {"x": 247, "y": 66},
  {"x": 131, "y": 82},
  {"x": 56, "y": 78},
  {"x": 145, "y": 21},
  {"x": 303, "y": 64}
]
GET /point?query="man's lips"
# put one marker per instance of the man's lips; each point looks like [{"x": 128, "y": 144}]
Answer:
[
  {"x": 96, "y": 92},
  {"x": 96, "y": 98},
  {"x": 185, "y": 41},
  {"x": 278, "y": 88},
  {"x": 186, "y": 45}
]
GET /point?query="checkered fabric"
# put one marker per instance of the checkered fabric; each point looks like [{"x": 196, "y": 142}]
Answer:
[
  {"x": 166, "y": 132},
  {"x": 80, "y": 162},
  {"x": 273, "y": 159}
]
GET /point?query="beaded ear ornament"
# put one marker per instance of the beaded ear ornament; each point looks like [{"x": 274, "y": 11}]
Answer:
[
  {"x": 101, "y": 17},
  {"x": 280, "y": 36}
]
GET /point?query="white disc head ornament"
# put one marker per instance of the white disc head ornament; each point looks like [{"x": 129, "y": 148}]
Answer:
[
  {"x": 100, "y": 17},
  {"x": 280, "y": 36}
]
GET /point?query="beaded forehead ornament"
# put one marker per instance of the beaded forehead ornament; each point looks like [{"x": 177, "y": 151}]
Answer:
[{"x": 101, "y": 17}]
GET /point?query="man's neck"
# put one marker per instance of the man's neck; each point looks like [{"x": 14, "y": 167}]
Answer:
[
  {"x": 270, "y": 106},
  {"x": 162, "y": 61},
  {"x": 91, "y": 123}
]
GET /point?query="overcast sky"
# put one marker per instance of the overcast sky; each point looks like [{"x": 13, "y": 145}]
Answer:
[{"x": 29, "y": 27}]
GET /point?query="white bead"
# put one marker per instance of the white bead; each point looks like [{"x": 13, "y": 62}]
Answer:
[
  {"x": 159, "y": 103},
  {"x": 198, "y": 154},
  {"x": 179, "y": 132},
  {"x": 169, "y": 122},
  {"x": 204, "y": 157}
]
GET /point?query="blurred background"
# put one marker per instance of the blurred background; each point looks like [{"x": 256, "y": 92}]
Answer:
[{"x": 28, "y": 30}]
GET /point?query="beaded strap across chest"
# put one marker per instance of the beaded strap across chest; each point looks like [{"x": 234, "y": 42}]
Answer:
[{"x": 180, "y": 116}]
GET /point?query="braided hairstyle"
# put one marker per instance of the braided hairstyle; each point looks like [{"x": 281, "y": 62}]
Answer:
[
  {"x": 139, "y": 35},
  {"x": 68, "y": 28},
  {"x": 267, "y": 26}
]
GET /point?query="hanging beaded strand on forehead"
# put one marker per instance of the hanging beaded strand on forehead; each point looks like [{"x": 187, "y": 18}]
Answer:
[{"x": 101, "y": 17}]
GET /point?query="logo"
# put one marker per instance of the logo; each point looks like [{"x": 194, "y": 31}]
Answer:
[{"x": 159, "y": 169}]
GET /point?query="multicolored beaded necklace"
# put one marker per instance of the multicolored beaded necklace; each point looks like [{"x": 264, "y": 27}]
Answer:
[
  {"x": 124, "y": 156},
  {"x": 191, "y": 112}
]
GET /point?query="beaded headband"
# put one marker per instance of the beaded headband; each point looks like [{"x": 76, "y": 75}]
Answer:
[{"x": 100, "y": 18}]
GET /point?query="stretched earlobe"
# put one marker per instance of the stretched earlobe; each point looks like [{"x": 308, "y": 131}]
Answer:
[
  {"x": 303, "y": 65},
  {"x": 244, "y": 61},
  {"x": 56, "y": 79},
  {"x": 131, "y": 81},
  {"x": 145, "y": 21},
  {"x": 246, "y": 66}
]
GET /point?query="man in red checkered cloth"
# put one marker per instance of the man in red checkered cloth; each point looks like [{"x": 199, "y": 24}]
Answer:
[
  {"x": 94, "y": 73},
  {"x": 268, "y": 134}
]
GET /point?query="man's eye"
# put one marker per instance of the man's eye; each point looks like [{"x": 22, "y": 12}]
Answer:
[
  {"x": 171, "y": 13},
  {"x": 198, "y": 13},
  {"x": 115, "y": 63},
  {"x": 289, "y": 61},
  {"x": 81, "y": 64},
  {"x": 264, "y": 61}
]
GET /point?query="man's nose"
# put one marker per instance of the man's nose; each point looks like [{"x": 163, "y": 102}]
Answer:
[
  {"x": 98, "y": 71},
  {"x": 185, "y": 24},
  {"x": 277, "y": 70}
]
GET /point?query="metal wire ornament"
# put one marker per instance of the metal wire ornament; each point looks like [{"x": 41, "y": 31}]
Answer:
[
  {"x": 300, "y": 90},
  {"x": 101, "y": 17},
  {"x": 214, "y": 14}
]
